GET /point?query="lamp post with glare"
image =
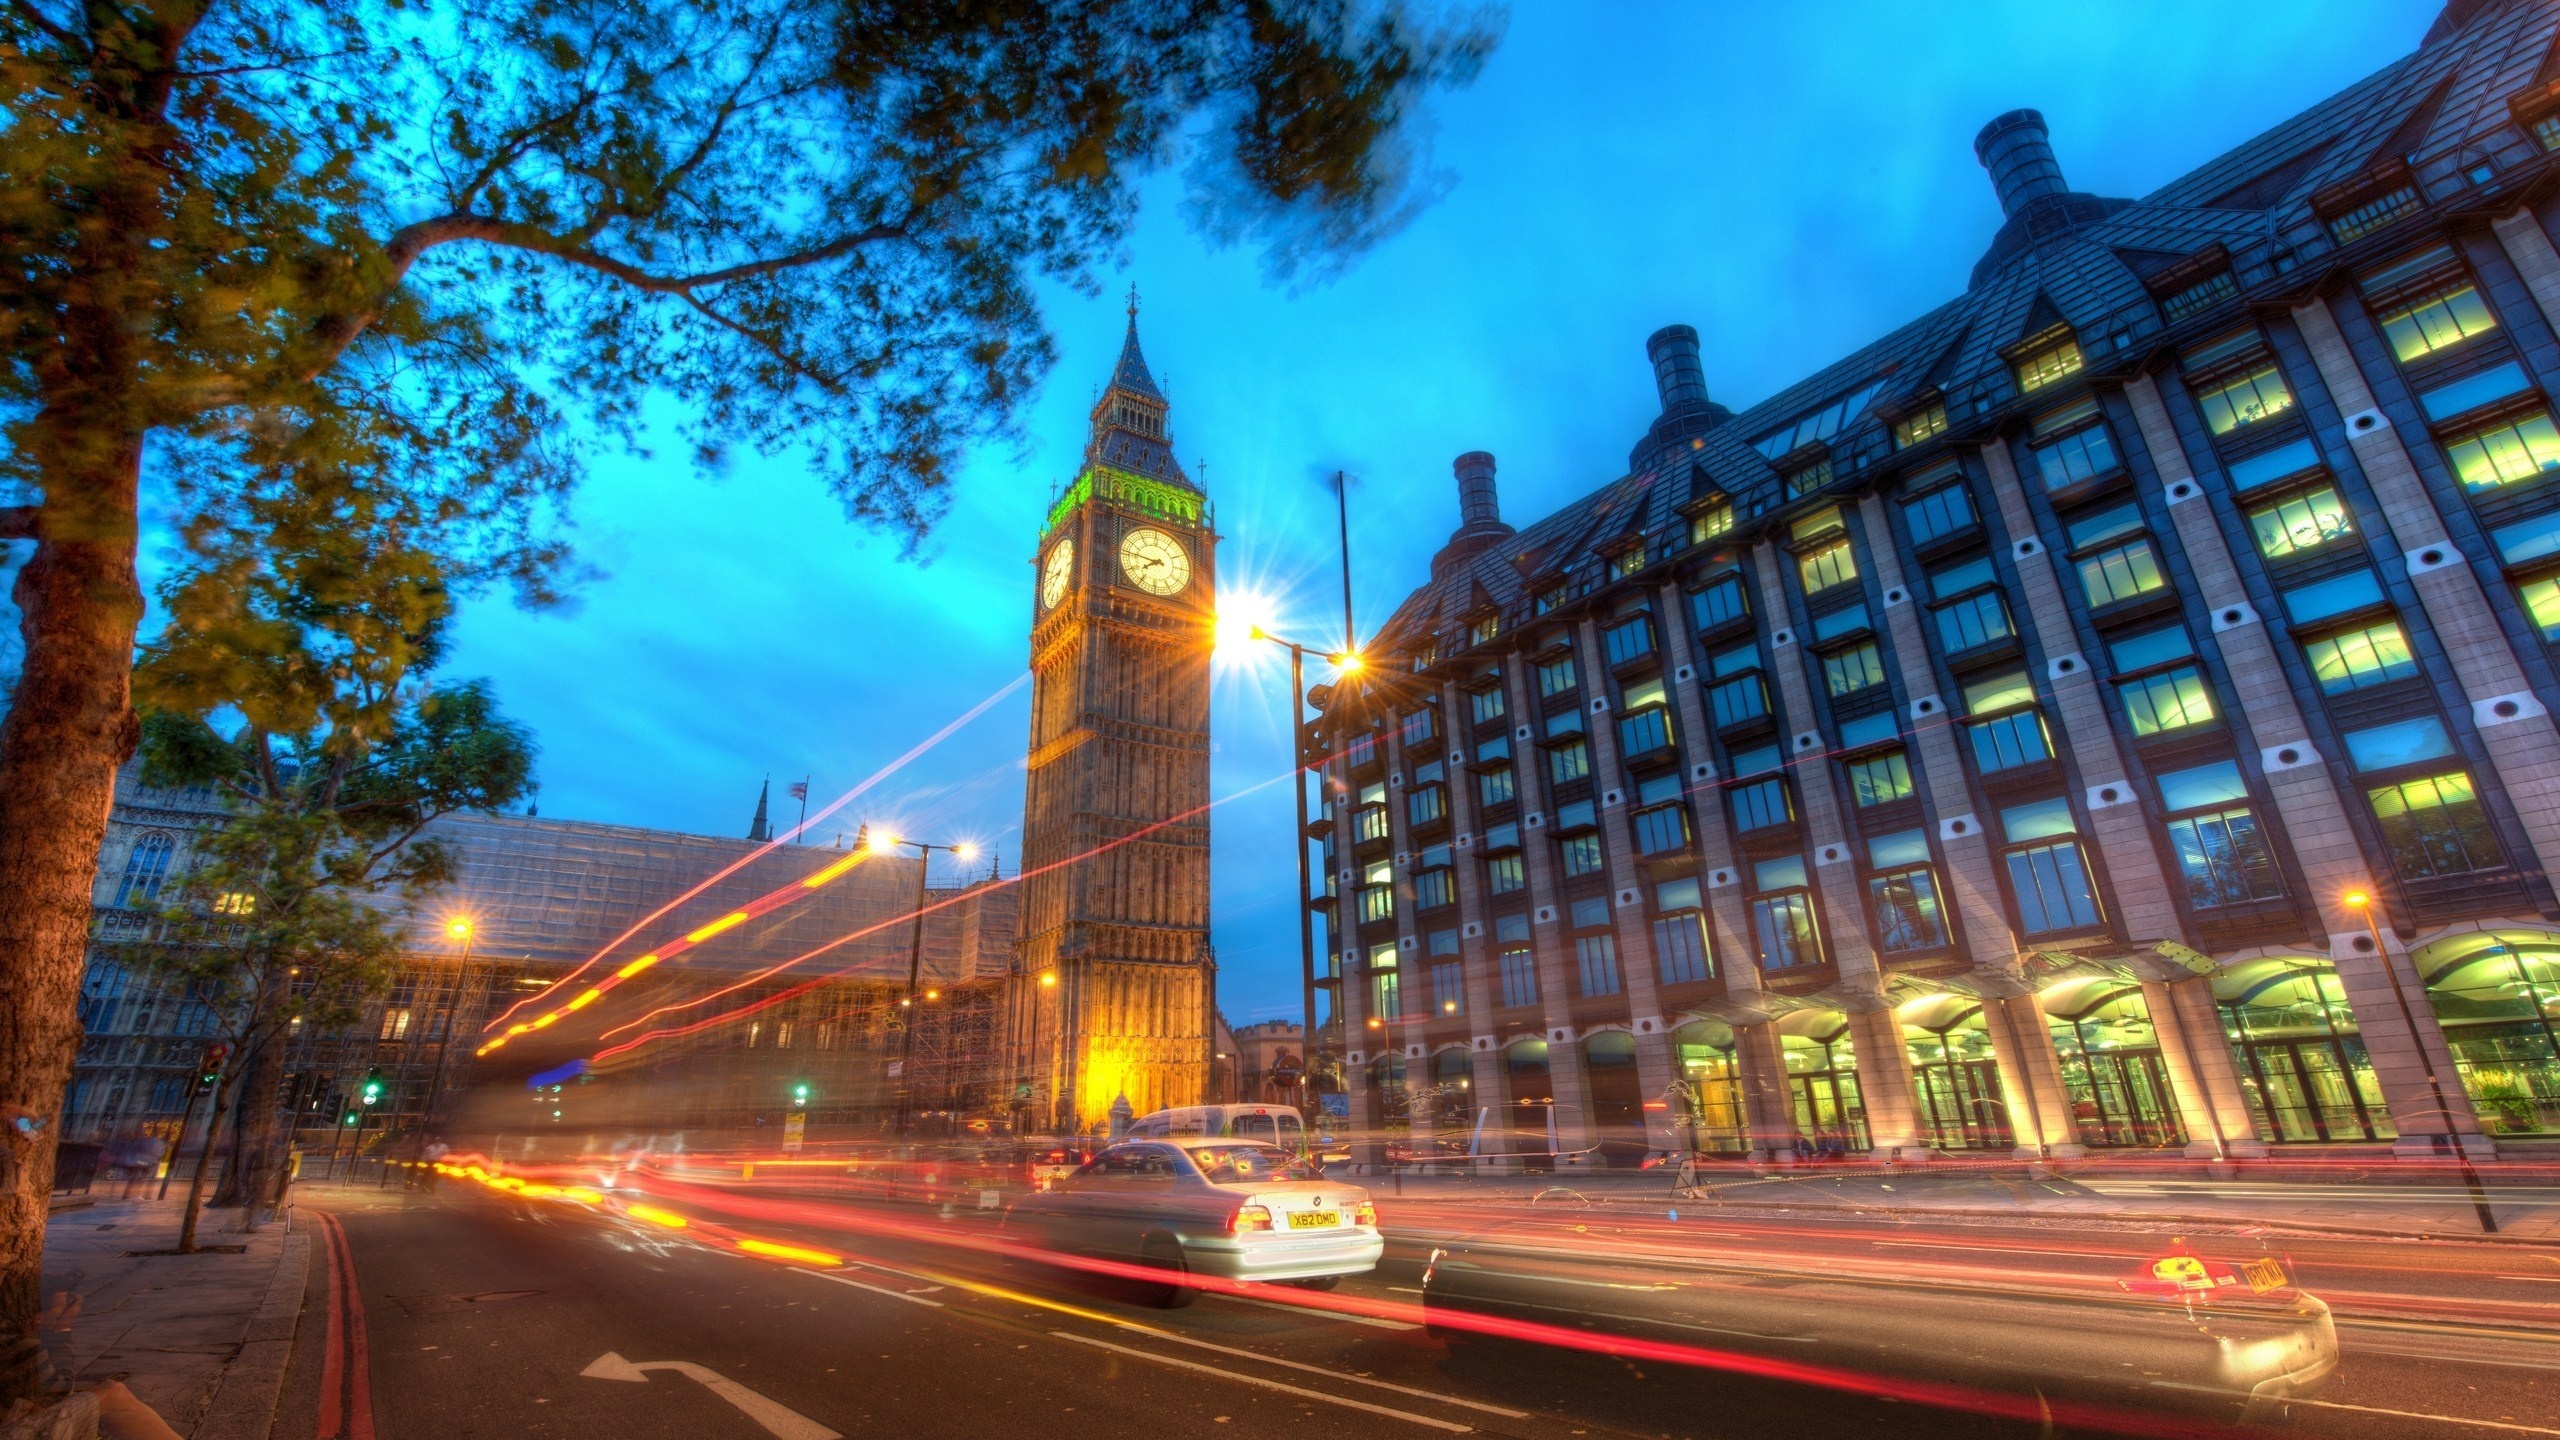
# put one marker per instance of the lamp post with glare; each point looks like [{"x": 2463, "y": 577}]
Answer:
[
  {"x": 2362, "y": 903},
  {"x": 460, "y": 928},
  {"x": 1345, "y": 662},
  {"x": 883, "y": 843}
]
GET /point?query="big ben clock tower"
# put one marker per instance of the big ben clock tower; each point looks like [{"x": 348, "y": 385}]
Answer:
[{"x": 1112, "y": 987}]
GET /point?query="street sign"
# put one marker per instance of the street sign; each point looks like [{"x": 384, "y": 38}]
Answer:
[{"x": 794, "y": 1127}]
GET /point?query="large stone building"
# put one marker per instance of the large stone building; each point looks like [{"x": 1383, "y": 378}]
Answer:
[
  {"x": 815, "y": 986},
  {"x": 2114, "y": 709},
  {"x": 1114, "y": 984}
]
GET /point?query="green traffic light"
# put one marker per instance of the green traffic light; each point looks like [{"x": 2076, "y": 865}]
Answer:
[{"x": 800, "y": 1094}]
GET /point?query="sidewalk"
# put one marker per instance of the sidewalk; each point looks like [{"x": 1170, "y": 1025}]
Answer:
[
  {"x": 202, "y": 1339},
  {"x": 2417, "y": 1207}
]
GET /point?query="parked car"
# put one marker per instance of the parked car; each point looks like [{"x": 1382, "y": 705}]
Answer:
[
  {"x": 1236, "y": 1210},
  {"x": 2229, "y": 1334}
]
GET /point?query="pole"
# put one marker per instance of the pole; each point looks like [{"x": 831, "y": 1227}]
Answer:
[
  {"x": 444, "y": 1035},
  {"x": 804, "y": 810},
  {"x": 2435, "y": 1086},
  {"x": 915, "y": 972},
  {"x": 1306, "y": 889},
  {"x": 1342, "y": 499}
]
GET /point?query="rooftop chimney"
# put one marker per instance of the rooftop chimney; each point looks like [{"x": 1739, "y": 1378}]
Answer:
[
  {"x": 1479, "y": 514},
  {"x": 1478, "y": 510},
  {"x": 1676, "y": 371},
  {"x": 2015, "y": 150}
]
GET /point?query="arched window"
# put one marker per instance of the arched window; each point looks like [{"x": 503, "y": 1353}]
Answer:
[{"x": 144, "y": 870}]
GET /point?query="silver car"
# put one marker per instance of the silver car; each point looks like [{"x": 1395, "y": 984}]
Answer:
[{"x": 1233, "y": 1209}]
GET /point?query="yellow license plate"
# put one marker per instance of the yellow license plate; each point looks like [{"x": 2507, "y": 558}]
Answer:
[
  {"x": 1315, "y": 1220},
  {"x": 2264, "y": 1275}
]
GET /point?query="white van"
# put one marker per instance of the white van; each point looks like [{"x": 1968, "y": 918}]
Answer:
[{"x": 1272, "y": 1124}]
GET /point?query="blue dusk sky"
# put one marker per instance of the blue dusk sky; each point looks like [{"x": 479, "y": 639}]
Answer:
[{"x": 1793, "y": 180}]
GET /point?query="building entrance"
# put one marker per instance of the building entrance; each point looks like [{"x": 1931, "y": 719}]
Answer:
[
  {"x": 1962, "y": 1103},
  {"x": 2302, "y": 1061}
]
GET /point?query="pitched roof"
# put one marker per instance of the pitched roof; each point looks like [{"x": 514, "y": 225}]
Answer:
[{"x": 2441, "y": 111}]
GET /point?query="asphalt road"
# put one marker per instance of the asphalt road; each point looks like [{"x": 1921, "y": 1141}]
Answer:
[{"x": 486, "y": 1314}]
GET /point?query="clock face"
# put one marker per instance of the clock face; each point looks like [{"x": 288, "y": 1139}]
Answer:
[
  {"x": 1054, "y": 574},
  {"x": 1154, "y": 561}
]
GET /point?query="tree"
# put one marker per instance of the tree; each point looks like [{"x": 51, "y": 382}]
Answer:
[
  {"x": 454, "y": 243},
  {"x": 316, "y": 598}
]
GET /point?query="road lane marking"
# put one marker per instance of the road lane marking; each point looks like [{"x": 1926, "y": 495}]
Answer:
[
  {"x": 772, "y": 1414},
  {"x": 1287, "y": 1389},
  {"x": 1994, "y": 1249},
  {"x": 1444, "y": 1399},
  {"x": 2422, "y": 1415},
  {"x": 874, "y": 1289},
  {"x": 1311, "y": 1312}
]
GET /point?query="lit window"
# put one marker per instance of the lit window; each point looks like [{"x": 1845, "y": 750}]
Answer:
[
  {"x": 1878, "y": 779},
  {"x": 235, "y": 903},
  {"x": 2121, "y": 573},
  {"x": 1926, "y": 424},
  {"x": 1833, "y": 564},
  {"x": 1849, "y": 671},
  {"x": 1809, "y": 479},
  {"x": 2244, "y": 399},
  {"x": 2547, "y": 130},
  {"x": 2354, "y": 659},
  {"x": 1485, "y": 628},
  {"x": 2506, "y": 453},
  {"x": 1548, "y": 599},
  {"x": 2047, "y": 363},
  {"x": 2542, "y": 601},
  {"x": 1627, "y": 563},
  {"x": 2301, "y": 522},
  {"x": 2437, "y": 319},
  {"x": 2435, "y": 827},
  {"x": 2373, "y": 214},
  {"x": 2167, "y": 700}
]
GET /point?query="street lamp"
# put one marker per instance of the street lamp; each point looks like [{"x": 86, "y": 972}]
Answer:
[
  {"x": 460, "y": 928},
  {"x": 884, "y": 843},
  {"x": 2361, "y": 902},
  {"x": 1344, "y": 662}
]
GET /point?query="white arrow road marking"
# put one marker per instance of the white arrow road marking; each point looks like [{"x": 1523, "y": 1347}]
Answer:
[
  {"x": 773, "y": 1415},
  {"x": 1257, "y": 1380},
  {"x": 874, "y": 1289}
]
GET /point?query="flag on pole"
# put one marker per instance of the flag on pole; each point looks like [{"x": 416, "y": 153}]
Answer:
[{"x": 799, "y": 789}]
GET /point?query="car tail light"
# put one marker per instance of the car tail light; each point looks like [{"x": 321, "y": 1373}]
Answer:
[
  {"x": 1249, "y": 1218},
  {"x": 1365, "y": 1214}
]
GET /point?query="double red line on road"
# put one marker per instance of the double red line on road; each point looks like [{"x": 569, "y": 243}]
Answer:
[{"x": 346, "y": 1369}]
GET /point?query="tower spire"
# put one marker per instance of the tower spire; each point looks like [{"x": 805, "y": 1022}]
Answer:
[
  {"x": 758, "y": 829},
  {"x": 1131, "y": 430}
]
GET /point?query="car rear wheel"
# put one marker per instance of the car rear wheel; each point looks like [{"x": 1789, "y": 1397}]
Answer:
[
  {"x": 1320, "y": 1282},
  {"x": 1163, "y": 1252}
]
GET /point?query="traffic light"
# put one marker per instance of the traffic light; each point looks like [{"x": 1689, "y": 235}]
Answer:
[
  {"x": 209, "y": 1070},
  {"x": 800, "y": 1093},
  {"x": 372, "y": 1086}
]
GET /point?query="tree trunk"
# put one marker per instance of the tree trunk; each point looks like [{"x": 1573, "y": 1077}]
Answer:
[
  {"x": 69, "y": 726},
  {"x": 254, "y": 1155},
  {"x": 195, "y": 1186}
]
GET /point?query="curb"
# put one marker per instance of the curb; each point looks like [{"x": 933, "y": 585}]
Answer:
[
  {"x": 243, "y": 1403},
  {"x": 2147, "y": 1217}
]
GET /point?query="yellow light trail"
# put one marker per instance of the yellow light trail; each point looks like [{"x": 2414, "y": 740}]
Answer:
[
  {"x": 655, "y": 1216},
  {"x": 789, "y": 1252},
  {"x": 730, "y": 921}
]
